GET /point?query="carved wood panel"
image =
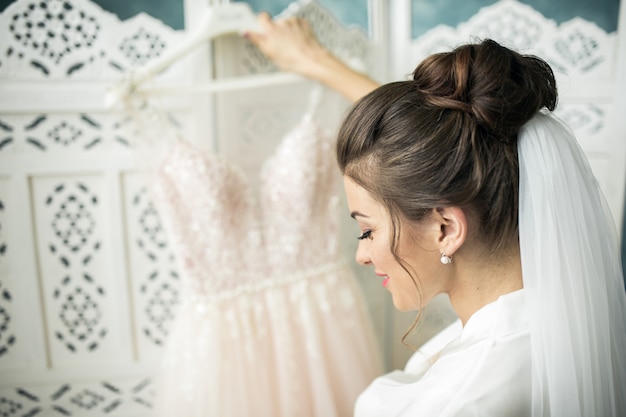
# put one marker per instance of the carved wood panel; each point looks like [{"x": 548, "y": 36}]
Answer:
[{"x": 83, "y": 314}]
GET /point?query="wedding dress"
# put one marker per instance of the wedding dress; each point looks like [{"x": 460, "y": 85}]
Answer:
[{"x": 272, "y": 322}]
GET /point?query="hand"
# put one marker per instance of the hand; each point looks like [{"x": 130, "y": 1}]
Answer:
[
  {"x": 292, "y": 46},
  {"x": 289, "y": 43}
]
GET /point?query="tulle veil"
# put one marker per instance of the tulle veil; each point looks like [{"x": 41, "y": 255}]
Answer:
[{"x": 572, "y": 278}]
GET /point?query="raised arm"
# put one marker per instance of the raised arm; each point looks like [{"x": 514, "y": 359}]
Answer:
[{"x": 292, "y": 46}]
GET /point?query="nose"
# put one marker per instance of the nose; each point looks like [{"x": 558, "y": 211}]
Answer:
[{"x": 362, "y": 256}]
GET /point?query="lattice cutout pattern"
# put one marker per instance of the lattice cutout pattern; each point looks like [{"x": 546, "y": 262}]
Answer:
[
  {"x": 77, "y": 295},
  {"x": 75, "y": 399},
  {"x": 159, "y": 286},
  {"x": 76, "y": 39},
  {"x": 350, "y": 44},
  {"x": 53, "y": 28},
  {"x": 576, "y": 47},
  {"x": 7, "y": 334},
  {"x": 58, "y": 133}
]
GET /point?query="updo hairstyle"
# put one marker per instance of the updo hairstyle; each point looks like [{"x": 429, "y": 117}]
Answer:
[{"x": 449, "y": 138}]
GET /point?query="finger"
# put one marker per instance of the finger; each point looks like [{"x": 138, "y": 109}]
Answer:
[
  {"x": 264, "y": 21},
  {"x": 254, "y": 37},
  {"x": 296, "y": 24},
  {"x": 291, "y": 22}
]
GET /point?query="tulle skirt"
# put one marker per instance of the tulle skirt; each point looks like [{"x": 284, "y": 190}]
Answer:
[{"x": 297, "y": 347}]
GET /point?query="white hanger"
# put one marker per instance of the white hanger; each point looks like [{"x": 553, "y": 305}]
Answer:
[
  {"x": 229, "y": 84},
  {"x": 219, "y": 20}
]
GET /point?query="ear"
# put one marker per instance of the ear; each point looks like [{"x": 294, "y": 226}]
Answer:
[{"x": 453, "y": 228}]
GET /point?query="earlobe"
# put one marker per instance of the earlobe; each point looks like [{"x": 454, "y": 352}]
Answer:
[{"x": 453, "y": 222}]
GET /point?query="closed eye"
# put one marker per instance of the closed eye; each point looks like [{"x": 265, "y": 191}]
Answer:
[{"x": 365, "y": 235}]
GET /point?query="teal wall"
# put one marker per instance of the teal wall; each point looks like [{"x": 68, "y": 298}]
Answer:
[
  {"x": 426, "y": 13},
  {"x": 169, "y": 12}
]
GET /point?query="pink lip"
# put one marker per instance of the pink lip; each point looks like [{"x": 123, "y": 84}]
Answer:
[{"x": 386, "y": 280}]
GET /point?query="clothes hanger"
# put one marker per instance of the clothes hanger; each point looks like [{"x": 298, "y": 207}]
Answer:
[
  {"x": 238, "y": 83},
  {"x": 220, "y": 19}
]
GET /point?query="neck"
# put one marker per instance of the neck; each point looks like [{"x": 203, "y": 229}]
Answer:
[{"x": 477, "y": 284}]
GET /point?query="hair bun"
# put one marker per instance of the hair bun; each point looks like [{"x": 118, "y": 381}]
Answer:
[{"x": 500, "y": 88}]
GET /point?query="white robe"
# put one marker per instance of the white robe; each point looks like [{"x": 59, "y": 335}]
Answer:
[{"x": 482, "y": 369}]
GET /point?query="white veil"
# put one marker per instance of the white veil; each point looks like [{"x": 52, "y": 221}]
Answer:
[{"x": 572, "y": 278}]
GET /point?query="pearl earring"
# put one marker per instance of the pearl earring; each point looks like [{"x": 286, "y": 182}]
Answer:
[{"x": 445, "y": 259}]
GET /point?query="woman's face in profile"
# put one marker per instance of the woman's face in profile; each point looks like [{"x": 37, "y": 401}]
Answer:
[{"x": 417, "y": 247}]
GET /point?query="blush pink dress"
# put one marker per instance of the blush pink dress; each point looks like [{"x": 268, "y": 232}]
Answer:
[{"x": 272, "y": 321}]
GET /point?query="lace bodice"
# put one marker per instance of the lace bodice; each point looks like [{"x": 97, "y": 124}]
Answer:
[{"x": 247, "y": 242}]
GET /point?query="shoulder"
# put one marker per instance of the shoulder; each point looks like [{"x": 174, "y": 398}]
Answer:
[
  {"x": 485, "y": 379},
  {"x": 484, "y": 371}
]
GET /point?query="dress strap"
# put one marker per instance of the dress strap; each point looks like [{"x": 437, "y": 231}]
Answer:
[{"x": 315, "y": 98}]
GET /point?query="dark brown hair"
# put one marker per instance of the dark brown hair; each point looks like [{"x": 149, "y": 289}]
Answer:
[{"x": 449, "y": 137}]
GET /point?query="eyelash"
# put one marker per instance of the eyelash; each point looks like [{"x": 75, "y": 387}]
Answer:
[{"x": 365, "y": 235}]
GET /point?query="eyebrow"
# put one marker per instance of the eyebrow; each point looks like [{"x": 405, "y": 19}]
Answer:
[{"x": 356, "y": 214}]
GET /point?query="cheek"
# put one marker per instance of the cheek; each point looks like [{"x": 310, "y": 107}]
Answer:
[
  {"x": 419, "y": 250},
  {"x": 381, "y": 253},
  {"x": 420, "y": 262}
]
